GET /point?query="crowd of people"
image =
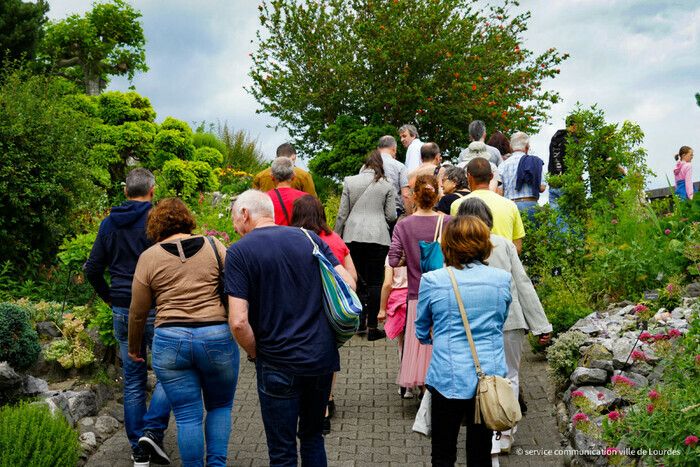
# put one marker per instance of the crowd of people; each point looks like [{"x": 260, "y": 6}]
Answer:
[{"x": 194, "y": 302}]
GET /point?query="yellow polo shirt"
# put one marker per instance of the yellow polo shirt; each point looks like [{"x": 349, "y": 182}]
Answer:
[{"x": 506, "y": 216}]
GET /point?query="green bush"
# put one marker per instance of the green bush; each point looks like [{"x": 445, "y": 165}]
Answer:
[
  {"x": 242, "y": 152},
  {"x": 31, "y": 436},
  {"x": 19, "y": 342},
  {"x": 209, "y": 155},
  {"x": 563, "y": 356},
  {"x": 202, "y": 139},
  {"x": 74, "y": 350},
  {"x": 102, "y": 321}
]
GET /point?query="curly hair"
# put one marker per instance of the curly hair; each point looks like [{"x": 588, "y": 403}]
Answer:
[
  {"x": 169, "y": 217},
  {"x": 466, "y": 239},
  {"x": 425, "y": 191}
]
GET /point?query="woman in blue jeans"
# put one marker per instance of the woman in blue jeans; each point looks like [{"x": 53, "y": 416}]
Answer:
[{"x": 194, "y": 355}]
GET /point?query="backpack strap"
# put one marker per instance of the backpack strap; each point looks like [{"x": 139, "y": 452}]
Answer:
[{"x": 284, "y": 208}]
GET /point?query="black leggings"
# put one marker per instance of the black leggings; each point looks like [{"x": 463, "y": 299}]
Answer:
[
  {"x": 446, "y": 420},
  {"x": 369, "y": 261}
]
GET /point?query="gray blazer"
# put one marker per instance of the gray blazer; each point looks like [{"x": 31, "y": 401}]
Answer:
[
  {"x": 365, "y": 208},
  {"x": 525, "y": 310}
]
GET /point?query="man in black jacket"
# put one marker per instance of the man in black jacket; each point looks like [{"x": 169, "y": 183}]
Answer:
[{"x": 120, "y": 241}]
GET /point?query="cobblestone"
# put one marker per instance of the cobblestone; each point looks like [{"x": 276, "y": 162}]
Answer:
[{"x": 372, "y": 424}]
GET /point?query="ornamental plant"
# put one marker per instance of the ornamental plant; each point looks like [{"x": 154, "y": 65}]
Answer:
[
  {"x": 19, "y": 342},
  {"x": 74, "y": 350}
]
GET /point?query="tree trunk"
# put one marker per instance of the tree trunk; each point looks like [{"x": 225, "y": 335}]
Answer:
[{"x": 92, "y": 86}]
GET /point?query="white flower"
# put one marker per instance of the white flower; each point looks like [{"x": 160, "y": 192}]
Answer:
[{"x": 221, "y": 214}]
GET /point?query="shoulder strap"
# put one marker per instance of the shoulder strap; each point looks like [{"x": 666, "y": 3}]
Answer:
[
  {"x": 438, "y": 228},
  {"x": 284, "y": 208},
  {"x": 216, "y": 252},
  {"x": 468, "y": 330},
  {"x": 436, "y": 171}
]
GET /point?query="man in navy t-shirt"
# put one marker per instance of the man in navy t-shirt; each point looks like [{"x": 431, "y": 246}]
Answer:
[{"x": 276, "y": 314}]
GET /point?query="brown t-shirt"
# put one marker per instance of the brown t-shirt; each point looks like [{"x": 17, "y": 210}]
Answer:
[
  {"x": 185, "y": 289},
  {"x": 302, "y": 181}
]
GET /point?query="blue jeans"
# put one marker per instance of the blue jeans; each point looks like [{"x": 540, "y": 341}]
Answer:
[
  {"x": 528, "y": 207},
  {"x": 196, "y": 363},
  {"x": 136, "y": 417},
  {"x": 285, "y": 401}
]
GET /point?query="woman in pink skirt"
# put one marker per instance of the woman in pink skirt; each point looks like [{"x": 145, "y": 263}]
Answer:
[
  {"x": 408, "y": 232},
  {"x": 392, "y": 306}
]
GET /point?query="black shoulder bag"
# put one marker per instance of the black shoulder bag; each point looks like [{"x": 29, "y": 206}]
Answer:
[{"x": 284, "y": 208}]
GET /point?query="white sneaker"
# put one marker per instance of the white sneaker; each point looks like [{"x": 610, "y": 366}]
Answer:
[
  {"x": 495, "y": 445},
  {"x": 494, "y": 460}
]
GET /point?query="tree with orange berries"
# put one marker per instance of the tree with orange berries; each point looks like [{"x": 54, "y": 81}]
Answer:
[{"x": 436, "y": 64}]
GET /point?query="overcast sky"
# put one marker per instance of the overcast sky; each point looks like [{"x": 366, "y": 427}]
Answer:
[{"x": 638, "y": 60}]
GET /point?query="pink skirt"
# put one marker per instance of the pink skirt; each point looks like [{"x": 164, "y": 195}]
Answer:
[
  {"x": 395, "y": 313},
  {"x": 416, "y": 357}
]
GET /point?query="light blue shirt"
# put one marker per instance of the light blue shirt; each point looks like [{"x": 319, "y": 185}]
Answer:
[
  {"x": 509, "y": 174},
  {"x": 486, "y": 296}
]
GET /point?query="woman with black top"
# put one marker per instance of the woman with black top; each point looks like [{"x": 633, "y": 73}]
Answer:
[{"x": 454, "y": 186}]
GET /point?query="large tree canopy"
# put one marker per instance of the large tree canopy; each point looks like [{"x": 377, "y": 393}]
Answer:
[
  {"x": 436, "y": 64},
  {"x": 107, "y": 41},
  {"x": 21, "y": 28}
]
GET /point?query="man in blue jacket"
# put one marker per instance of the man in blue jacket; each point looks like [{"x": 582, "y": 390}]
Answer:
[{"x": 120, "y": 241}]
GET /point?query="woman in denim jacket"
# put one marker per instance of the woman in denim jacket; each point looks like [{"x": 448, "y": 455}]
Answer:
[{"x": 451, "y": 376}]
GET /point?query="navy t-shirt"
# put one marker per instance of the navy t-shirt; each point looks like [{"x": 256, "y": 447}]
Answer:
[{"x": 273, "y": 268}]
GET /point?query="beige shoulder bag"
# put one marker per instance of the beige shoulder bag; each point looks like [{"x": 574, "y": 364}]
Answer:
[{"x": 496, "y": 406}]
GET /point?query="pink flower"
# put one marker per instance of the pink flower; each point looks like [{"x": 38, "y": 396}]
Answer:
[
  {"x": 669, "y": 288},
  {"x": 640, "y": 308},
  {"x": 619, "y": 379},
  {"x": 653, "y": 395},
  {"x": 614, "y": 416},
  {"x": 697, "y": 359},
  {"x": 645, "y": 336},
  {"x": 660, "y": 337},
  {"x": 575, "y": 394},
  {"x": 580, "y": 418},
  {"x": 638, "y": 355},
  {"x": 601, "y": 396},
  {"x": 611, "y": 451},
  {"x": 667, "y": 231},
  {"x": 673, "y": 333},
  {"x": 650, "y": 409},
  {"x": 691, "y": 440}
]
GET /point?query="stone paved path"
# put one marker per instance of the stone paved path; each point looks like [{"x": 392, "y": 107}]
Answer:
[{"x": 372, "y": 425}]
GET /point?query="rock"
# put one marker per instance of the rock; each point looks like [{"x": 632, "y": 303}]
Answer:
[
  {"x": 643, "y": 368},
  {"x": 113, "y": 409},
  {"x": 86, "y": 425},
  {"x": 47, "y": 329},
  {"x": 621, "y": 350},
  {"x": 65, "y": 385},
  {"x": 106, "y": 426},
  {"x": 587, "y": 445},
  {"x": 638, "y": 380},
  {"x": 587, "y": 376},
  {"x": 34, "y": 386},
  {"x": 606, "y": 365},
  {"x": 59, "y": 404},
  {"x": 629, "y": 309},
  {"x": 9, "y": 379},
  {"x": 601, "y": 398},
  {"x": 88, "y": 442},
  {"x": 98, "y": 348},
  {"x": 662, "y": 316},
  {"x": 103, "y": 394},
  {"x": 595, "y": 352},
  {"x": 693, "y": 290},
  {"x": 80, "y": 404}
]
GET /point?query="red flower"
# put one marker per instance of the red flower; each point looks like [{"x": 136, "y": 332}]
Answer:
[
  {"x": 638, "y": 355},
  {"x": 473, "y": 87},
  {"x": 580, "y": 418},
  {"x": 640, "y": 308},
  {"x": 645, "y": 336},
  {"x": 653, "y": 395},
  {"x": 650, "y": 409},
  {"x": 600, "y": 396},
  {"x": 667, "y": 231},
  {"x": 691, "y": 441},
  {"x": 575, "y": 394},
  {"x": 619, "y": 379},
  {"x": 614, "y": 416},
  {"x": 611, "y": 451},
  {"x": 673, "y": 333}
]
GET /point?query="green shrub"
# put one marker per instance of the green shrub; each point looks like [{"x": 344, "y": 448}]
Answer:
[
  {"x": 563, "y": 356},
  {"x": 242, "y": 152},
  {"x": 102, "y": 321},
  {"x": 74, "y": 350},
  {"x": 31, "y": 436},
  {"x": 209, "y": 155},
  {"x": 19, "y": 342}
]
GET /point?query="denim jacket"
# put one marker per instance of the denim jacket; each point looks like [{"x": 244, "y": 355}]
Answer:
[{"x": 486, "y": 296}]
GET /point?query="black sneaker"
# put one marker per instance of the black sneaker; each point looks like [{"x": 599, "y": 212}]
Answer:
[
  {"x": 140, "y": 457},
  {"x": 375, "y": 334},
  {"x": 150, "y": 444},
  {"x": 326, "y": 425},
  {"x": 331, "y": 408}
]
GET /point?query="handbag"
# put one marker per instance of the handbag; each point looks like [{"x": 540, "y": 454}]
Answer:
[
  {"x": 340, "y": 302},
  {"x": 220, "y": 287},
  {"x": 431, "y": 257},
  {"x": 423, "y": 423},
  {"x": 495, "y": 406}
]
